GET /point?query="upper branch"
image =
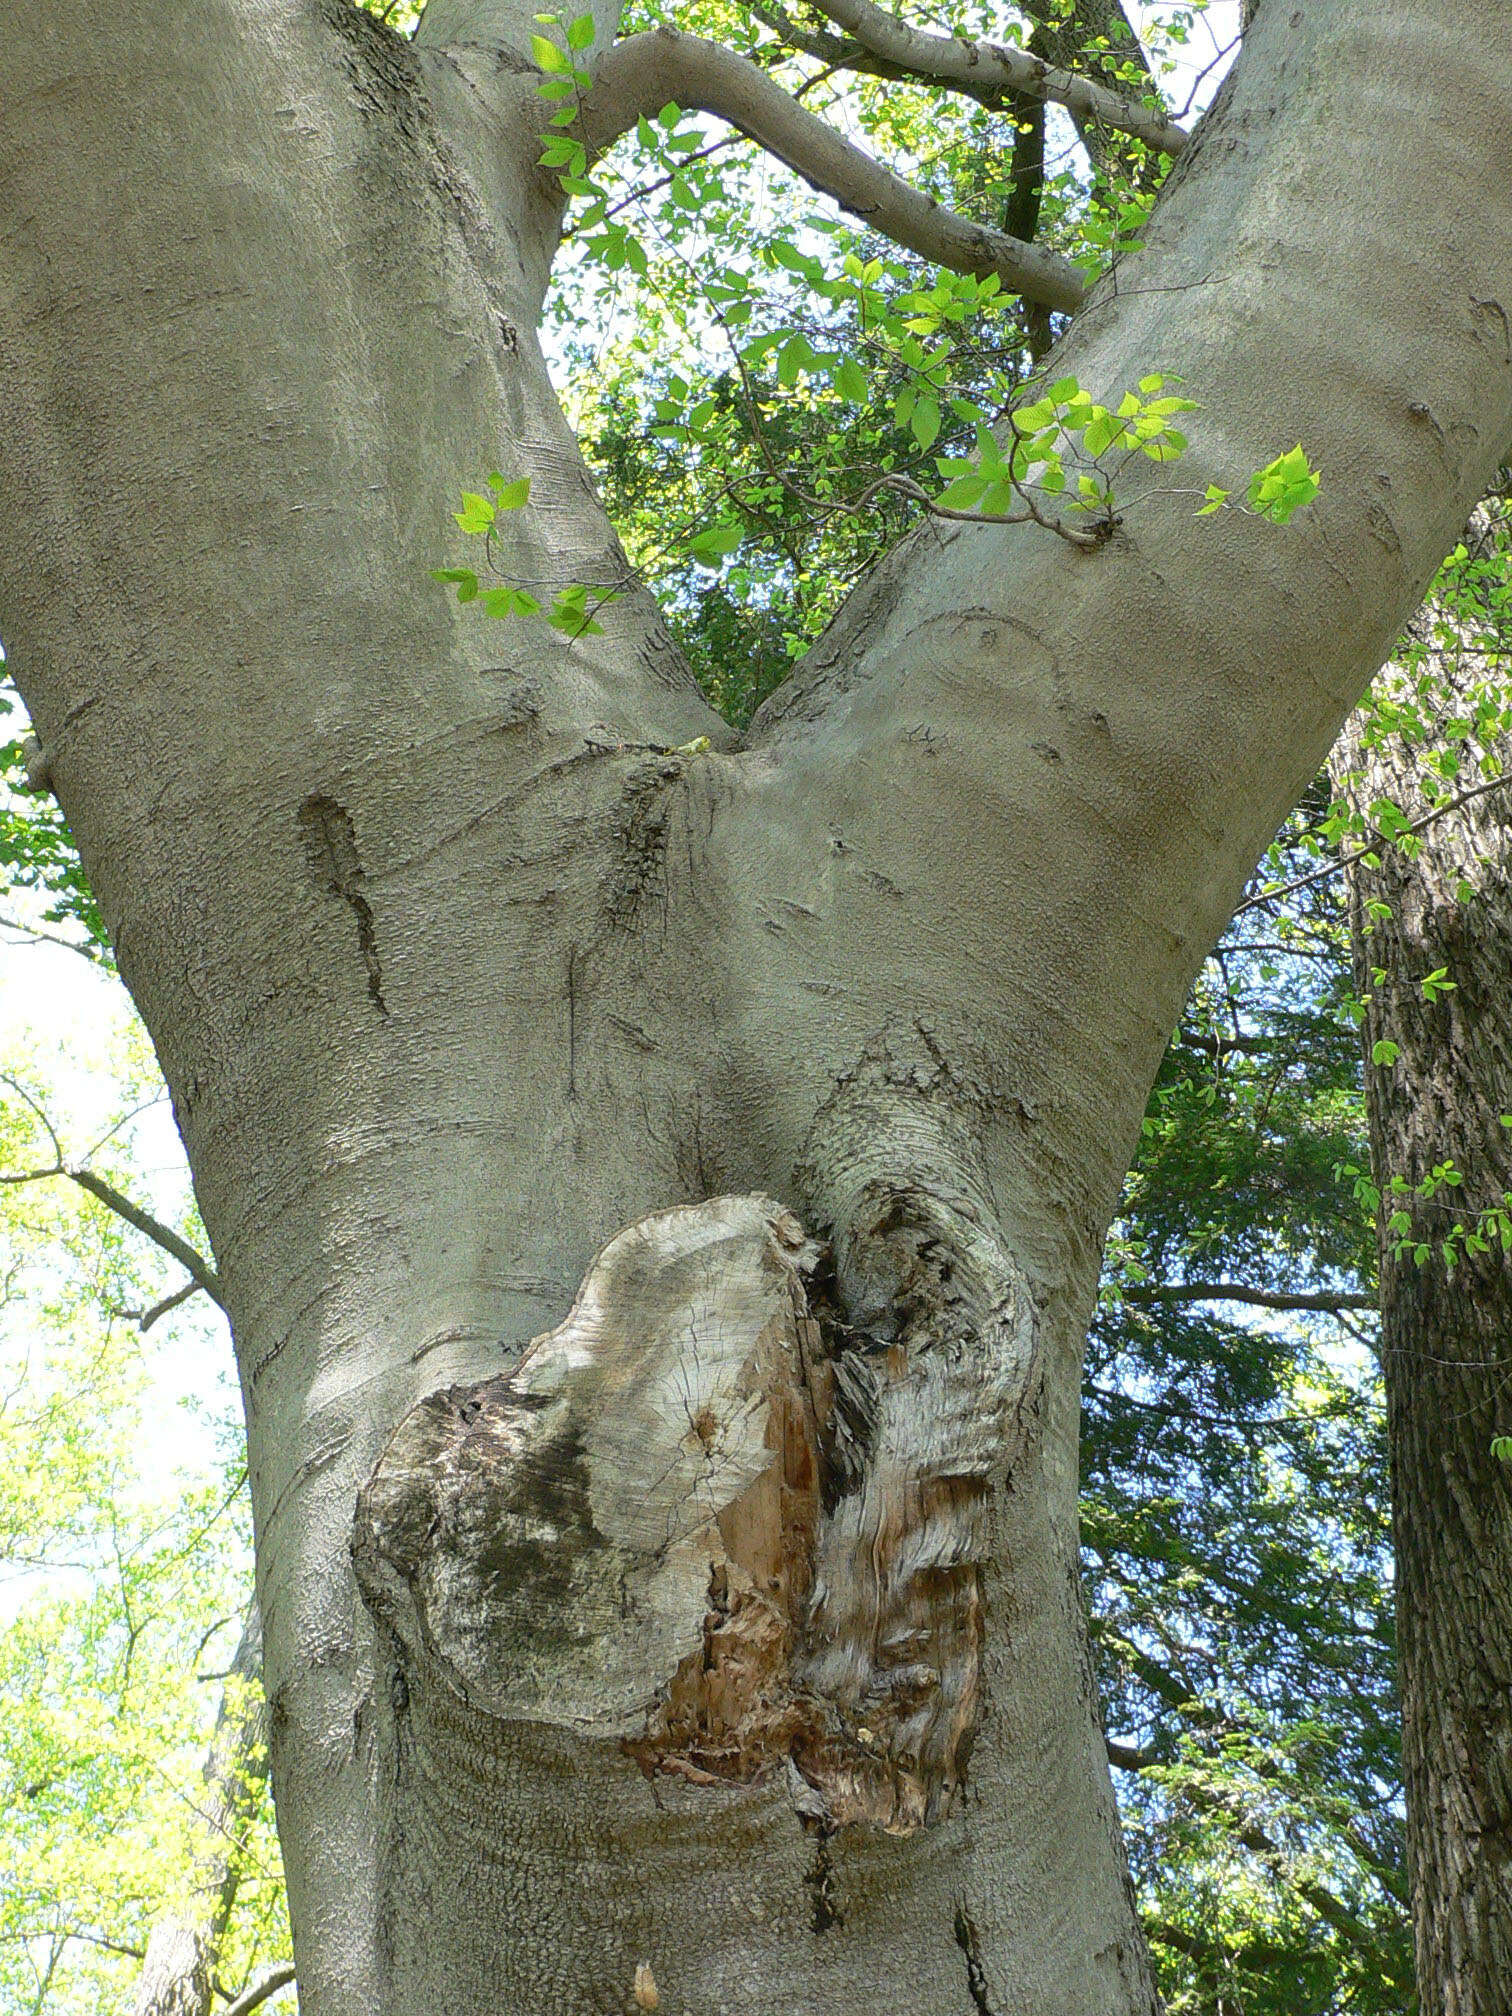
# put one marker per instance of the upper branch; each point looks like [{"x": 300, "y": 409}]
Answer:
[
  {"x": 991, "y": 69},
  {"x": 640, "y": 75}
]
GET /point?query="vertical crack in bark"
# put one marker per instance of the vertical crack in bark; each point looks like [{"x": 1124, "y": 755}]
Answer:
[
  {"x": 335, "y": 865},
  {"x": 637, "y": 884},
  {"x": 821, "y": 1886},
  {"x": 976, "y": 1974}
]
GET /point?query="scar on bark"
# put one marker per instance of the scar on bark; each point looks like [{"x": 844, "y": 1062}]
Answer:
[
  {"x": 711, "y": 1519},
  {"x": 331, "y": 849}
]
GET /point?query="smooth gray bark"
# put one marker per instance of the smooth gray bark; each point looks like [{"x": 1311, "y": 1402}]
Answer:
[{"x": 459, "y": 959}]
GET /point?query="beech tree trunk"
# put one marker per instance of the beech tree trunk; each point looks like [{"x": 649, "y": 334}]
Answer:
[
  {"x": 728, "y": 1640},
  {"x": 1446, "y": 1341}
]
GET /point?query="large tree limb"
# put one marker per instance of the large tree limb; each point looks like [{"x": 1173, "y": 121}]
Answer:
[
  {"x": 639, "y": 76},
  {"x": 991, "y": 69}
]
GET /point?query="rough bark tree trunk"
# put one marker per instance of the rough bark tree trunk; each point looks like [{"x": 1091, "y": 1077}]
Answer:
[
  {"x": 1446, "y": 1341},
  {"x": 462, "y": 955}
]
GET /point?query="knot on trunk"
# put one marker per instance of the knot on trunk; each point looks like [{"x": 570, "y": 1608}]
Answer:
[
  {"x": 556, "y": 1539},
  {"x": 725, "y": 1527}
]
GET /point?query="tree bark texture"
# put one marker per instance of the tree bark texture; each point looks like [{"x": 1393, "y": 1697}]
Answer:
[
  {"x": 465, "y": 959},
  {"x": 1446, "y": 1341}
]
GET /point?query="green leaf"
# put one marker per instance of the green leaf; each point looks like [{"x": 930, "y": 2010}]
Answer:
[
  {"x": 580, "y": 32},
  {"x": 796, "y": 354},
  {"x": 850, "y": 381},
  {"x": 795, "y": 261},
  {"x": 965, "y": 493},
  {"x": 464, "y": 577},
  {"x": 507, "y": 601},
  {"x": 510, "y": 495},
  {"x": 1101, "y": 432},
  {"x": 1284, "y": 486},
  {"x": 925, "y": 421},
  {"x": 709, "y": 547},
  {"x": 1029, "y": 419},
  {"x": 476, "y": 515},
  {"x": 1384, "y": 1052},
  {"x": 547, "y": 55}
]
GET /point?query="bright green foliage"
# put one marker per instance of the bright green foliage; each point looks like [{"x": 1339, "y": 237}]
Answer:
[
  {"x": 124, "y": 1573},
  {"x": 886, "y": 375},
  {"x": 1445, "y": 705},
  {"x": 1281, "y": 489},
  {"x": 573, "y": 607},
  {"x": 37, "y": 853}
]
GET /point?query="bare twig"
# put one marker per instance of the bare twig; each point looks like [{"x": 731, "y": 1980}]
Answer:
[
  {"x": 33, "y": 934},
  {"x": 201, "y": 1273},
  {"x": 1000, "y": 68},
  {"x": 1237, "y": 1291},
  {"x": 193, "y": 1263},
  {"x": 145, "y": 1318},
  {"x": 1348, "y": 860},
  {"x": 253, "y": 1997}
]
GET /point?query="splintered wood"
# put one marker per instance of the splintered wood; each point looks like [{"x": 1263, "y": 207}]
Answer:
[{"x": 704, "y": 1521}]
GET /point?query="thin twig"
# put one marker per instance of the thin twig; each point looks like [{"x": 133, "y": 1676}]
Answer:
[{"x": 1348, "y": 860}]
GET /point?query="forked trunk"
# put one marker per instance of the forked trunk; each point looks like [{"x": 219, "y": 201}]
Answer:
[{"x": 706, "y": 1642}]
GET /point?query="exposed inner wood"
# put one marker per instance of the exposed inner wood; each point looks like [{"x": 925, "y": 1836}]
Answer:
[{"x": 727, "y": 1528}]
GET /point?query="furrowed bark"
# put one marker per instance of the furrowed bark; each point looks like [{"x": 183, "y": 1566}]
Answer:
[
  {"x": 1446, "y": 1344},
  {"x": 462, "y": 954}
]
